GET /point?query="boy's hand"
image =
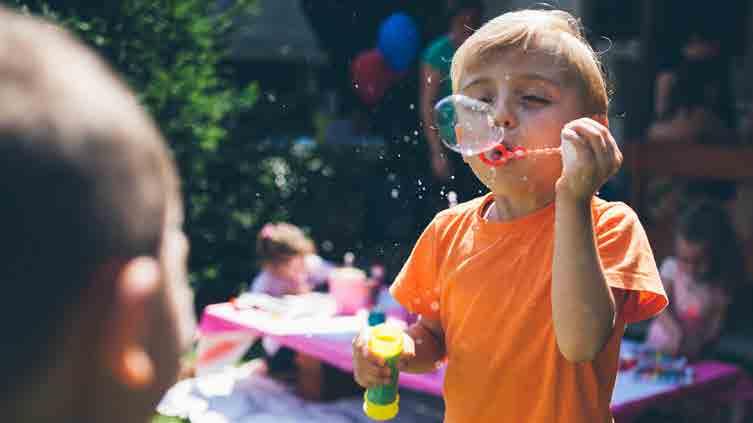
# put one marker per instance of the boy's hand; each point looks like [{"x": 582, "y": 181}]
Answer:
[
  {"x": 371, "y": 370},
  {"x": 590, "y": 157}
]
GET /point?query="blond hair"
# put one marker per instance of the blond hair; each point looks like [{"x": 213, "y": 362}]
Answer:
[
  {"x": 279, "y": 241},
  {"x": 553, "y": 32}
]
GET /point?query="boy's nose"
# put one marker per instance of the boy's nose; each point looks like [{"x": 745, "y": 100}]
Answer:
[{"x": 504, "y": 117}]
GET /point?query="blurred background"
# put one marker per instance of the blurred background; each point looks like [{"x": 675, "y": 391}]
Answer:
[{"x": 309, "y": 111}]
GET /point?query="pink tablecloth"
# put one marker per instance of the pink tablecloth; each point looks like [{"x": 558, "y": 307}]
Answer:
[{"x": 330, "y": 341}]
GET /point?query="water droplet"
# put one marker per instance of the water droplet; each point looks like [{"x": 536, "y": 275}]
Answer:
[
  {"x": 419, "y": 182},
  {"x": 406, "y": 138},
  {"x": 419, "y": 341},
  {"x": 327, "y": 246},
  {"x": 394, "y": 193},
  {"x": 415, "y": 133},
  {"x": 412, "y": 106},
  {"x": 271, "y": 97}
]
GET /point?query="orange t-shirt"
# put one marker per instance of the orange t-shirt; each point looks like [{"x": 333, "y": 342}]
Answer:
[{"x": 489, "y": 284}]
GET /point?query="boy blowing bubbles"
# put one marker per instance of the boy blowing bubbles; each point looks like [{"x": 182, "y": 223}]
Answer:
[
  {"x": 97, "y": 309},
  {"x": 526, "y": 292}
]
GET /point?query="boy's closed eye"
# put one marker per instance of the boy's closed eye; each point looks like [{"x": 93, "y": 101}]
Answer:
[{"x": 535, "y": 100}]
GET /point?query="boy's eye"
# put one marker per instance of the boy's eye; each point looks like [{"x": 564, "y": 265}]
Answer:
[
  {"x": 535, "y": 99},
  {"x": 486, "y": 99}
]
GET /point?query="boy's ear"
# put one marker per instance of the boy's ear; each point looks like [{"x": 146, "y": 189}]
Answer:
[{"x": 126, "y": 331}]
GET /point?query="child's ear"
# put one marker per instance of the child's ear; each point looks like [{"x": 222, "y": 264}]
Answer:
[
  {"x": 602, "y": 119},
  {"x": 126, "y": 331}
]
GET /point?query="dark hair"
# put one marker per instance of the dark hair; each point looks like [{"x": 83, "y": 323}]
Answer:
[
  {"x": 708, "y": 224},
  {"x": 84, "y": 177},
  {"x": 702, "y": 84},
  {"x": 457, "y": 7}
]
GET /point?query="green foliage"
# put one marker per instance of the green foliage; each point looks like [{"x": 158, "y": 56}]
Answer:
[
  {"x": 173, "y": 54},
  {"x": 236, "y": 174}
]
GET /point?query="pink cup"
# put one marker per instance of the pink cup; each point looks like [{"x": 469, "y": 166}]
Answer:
[{"x": 350, "y": 288}]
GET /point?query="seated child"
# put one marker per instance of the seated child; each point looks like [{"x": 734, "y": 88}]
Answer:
[
  {"x": 288, "y": 260},
  {"x": 290, "y": 266},
  {"x": 699, "y": 280},
  {"x": 96, "y": 307},
  {"x": 525, "y": 292}
]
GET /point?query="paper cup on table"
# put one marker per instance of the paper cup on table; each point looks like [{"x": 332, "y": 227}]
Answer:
[{"x": 350, "y": 288}]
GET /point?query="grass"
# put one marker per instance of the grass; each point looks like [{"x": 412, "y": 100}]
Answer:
[{"x": 165, "y": 419}]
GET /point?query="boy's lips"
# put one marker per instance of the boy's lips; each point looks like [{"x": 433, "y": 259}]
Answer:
[{"x": 502, "y": 153}]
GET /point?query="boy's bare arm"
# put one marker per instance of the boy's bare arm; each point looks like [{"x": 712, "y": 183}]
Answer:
[
  {"x": 583, "y": 305},
  {"x": 429, "y": 347}
]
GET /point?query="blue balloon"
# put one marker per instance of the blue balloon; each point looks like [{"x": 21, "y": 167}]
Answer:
[{"x": 399, "y": 41}]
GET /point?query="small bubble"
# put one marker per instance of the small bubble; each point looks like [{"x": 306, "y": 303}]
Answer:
[
  {"x": 271, "y": 97},
  {"x": 394, "y": 193},
  {"x": 406, "y": 138},
  {"x": 415, "y": 133},
  {"x": 412, "y": 106},
  {"x": 419, "y": 182},
  {"x": 327, "y": 246}
]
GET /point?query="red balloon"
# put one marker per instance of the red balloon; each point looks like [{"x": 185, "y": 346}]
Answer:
[{"x": 371, "y": 76}]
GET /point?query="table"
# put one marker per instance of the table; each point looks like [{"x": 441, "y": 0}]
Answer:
[{"x": 329, "y": 340}]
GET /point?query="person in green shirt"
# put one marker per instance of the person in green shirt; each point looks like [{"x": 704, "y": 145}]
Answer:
[{"x": 464, "y": 17}]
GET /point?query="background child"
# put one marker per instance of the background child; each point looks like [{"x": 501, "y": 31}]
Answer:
[
  {"x": 96, "y": 307},
  {"x": 288, "y": 261},
  {"x": 699, "y": 279},
  {"x": 526, "y": 291}
]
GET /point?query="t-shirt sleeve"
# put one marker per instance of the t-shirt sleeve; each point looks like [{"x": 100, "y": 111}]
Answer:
[
  {"x": 416, "y": 287},
  {"x": 628, "y": 262}
]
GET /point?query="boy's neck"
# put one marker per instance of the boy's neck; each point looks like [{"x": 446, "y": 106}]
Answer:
[{"x": 505, "y": 208}]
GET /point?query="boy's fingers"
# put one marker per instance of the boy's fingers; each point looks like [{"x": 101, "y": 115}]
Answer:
[
  {"x": 593, "y": 138},
  {"x": 371, "y": 357},
  {"x": 574, "y": 148},
  {"x": 612, "y": 152}
]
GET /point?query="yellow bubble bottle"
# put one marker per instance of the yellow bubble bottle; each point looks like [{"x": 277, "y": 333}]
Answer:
[{"x": 381, "y": 402}]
